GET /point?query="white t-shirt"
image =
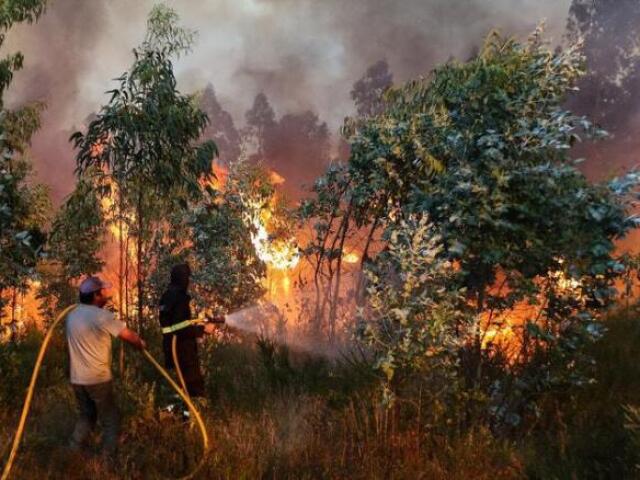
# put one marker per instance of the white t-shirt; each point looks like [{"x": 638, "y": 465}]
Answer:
[{"x": 89, "y": 330}]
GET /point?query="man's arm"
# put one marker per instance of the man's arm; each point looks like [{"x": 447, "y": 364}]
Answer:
[
  {"x": 183, "y": 312},
  {"x": 132, "y": 338}
]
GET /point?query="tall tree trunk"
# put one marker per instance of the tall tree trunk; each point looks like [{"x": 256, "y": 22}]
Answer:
[
  {"x": 14, "y": 301},
  {"x": 127, "y": 292},
  {"x": 330, "y": 297},
  {"x": 121, "y": 300},
  {"x": 336, "y": 296},
  {"x": 320, "y": 298},
  {"x": 360, "y": 282},
  {"x": 120, "y": 270},
  {"x": 139, "y": 270}
]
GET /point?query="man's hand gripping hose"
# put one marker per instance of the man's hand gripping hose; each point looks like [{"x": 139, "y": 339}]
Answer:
[{"x": 34, "y": 377}]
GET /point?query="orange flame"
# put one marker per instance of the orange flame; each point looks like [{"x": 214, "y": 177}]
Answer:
[
  {"x": 280, "y": 254},
  {"x": 351, "y": 257}
]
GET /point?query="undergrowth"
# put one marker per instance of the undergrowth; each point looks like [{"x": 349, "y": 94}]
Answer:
[{"x": 273, "y": 412}]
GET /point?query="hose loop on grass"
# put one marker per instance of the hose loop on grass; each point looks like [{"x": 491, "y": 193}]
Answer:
[{"x": 34, "y": 377}]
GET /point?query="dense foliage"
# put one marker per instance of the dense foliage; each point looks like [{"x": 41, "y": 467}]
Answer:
[
  {"x": 479, "y": 150},
  {"x": 144, "y": 144},
  {"x": 23, "y": 205},
  {"x": 228, "y": 271},
  {"x": 75, "y": 242}
]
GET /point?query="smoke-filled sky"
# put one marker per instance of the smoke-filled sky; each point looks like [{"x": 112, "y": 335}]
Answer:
[{"x": 304, "y": 54}]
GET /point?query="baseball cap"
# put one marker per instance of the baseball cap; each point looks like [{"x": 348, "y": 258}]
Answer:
[{"x": 93, "y": 284}]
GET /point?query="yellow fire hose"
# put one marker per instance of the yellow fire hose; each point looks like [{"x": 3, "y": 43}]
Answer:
[
  {"x": 163, "y": 372},
  {"x": 174, "y": 353}
]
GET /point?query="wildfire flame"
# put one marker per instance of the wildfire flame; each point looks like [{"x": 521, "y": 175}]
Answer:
[
  {"x": 219, "y": 177},
  {"x": 279, "y": 254},
  {"x": 504, "y": 329},
  {"x": 351, "y": 257}
]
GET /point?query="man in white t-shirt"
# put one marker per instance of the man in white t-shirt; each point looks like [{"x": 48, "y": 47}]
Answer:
[{"x": 89, "y": 330}]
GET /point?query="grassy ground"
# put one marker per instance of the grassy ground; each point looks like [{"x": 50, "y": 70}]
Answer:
[{"x": 279, "y": 414}]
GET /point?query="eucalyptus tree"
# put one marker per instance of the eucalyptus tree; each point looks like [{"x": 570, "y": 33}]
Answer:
[
  {"x": 221, "y": 129},
  {"x": 480, "y": 152},
  {"x": 23, "y": 204},
  {"x": 145, "y": 143},
  {"x": 228, "y": 270},
  {"x": 261, "y": 121},
  {"x": 76, "y": 239},
  {"x": 368, "y": 91},
  {"x": 228, "y": 273}
]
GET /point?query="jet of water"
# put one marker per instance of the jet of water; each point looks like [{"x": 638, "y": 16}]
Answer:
[
  {"x": 248, "y": 319},
  {"x": 266, "y": 319}
]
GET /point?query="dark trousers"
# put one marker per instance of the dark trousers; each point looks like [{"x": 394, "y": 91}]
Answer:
[
  {"x": 187, "y": 351},
  {"x": 96, "y": 401}
]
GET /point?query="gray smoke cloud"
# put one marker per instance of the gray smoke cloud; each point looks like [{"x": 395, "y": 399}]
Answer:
[{"x": 304, "y": 54}]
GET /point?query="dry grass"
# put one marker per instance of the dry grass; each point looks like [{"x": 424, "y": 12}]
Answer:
[
  {"x": 275, "y": 414},
  {"x": 279, "y": 416},
  {"x": 292, "y": 440}
]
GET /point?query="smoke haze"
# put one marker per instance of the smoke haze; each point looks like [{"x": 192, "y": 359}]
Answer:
[{"x": 304, "y": 54}]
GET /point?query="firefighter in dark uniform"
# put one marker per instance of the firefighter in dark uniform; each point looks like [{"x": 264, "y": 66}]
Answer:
[{"x": 175, "y": 312}]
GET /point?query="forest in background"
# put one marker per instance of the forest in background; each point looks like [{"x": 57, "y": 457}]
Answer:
[{"x": 471, "y": 275}]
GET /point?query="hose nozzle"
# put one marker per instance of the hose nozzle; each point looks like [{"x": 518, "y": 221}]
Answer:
[{"x": 218, "y": 319}]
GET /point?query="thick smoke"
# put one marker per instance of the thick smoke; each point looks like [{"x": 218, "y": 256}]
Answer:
[
  {"x": 610, "y": 92},
  {"x": 303, "y": 54},
  {"x": 58, "y": 53}
]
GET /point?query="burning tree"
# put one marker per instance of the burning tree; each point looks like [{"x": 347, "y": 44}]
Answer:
[
  {"x": 479, "y": 151},
  {"x": 239, "y": 233},
  {"x": 230, "y": 272},
  {"x": 144, "y": 146},
  {"x": 75, "y": 241}
]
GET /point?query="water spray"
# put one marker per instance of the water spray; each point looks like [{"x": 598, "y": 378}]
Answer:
[{"x": 254, "y": 319}]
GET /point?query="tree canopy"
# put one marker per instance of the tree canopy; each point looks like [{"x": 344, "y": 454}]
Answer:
[
  {"x": 145, "y": 145},
  {"x": 23, "y": 205},
  {"x": 477, "y": 156}
]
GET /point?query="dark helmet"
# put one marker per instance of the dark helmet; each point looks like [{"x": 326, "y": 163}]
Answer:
[{"x": 180, "y": 275}]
